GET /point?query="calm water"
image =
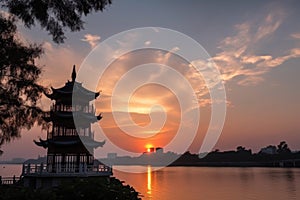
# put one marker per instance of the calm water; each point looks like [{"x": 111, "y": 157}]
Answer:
[{"x": 195, "y": 183}]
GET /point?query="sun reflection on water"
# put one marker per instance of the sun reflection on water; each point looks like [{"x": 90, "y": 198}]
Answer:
[{"x": 149, "y": 186}]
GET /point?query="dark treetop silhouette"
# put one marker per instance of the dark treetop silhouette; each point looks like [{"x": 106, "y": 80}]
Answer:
[{"x": 54, "y": 15}]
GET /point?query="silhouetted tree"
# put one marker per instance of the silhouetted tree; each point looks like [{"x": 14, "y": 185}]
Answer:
[
  {"x": 240, "y": 148},
  {"x": 283, "y": 148},
  {"x": 54, "y": 16},
  {"x": 19, "y": 89}
]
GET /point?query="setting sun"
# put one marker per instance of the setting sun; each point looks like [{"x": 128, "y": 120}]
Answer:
[{"x": 148, "y": 147}]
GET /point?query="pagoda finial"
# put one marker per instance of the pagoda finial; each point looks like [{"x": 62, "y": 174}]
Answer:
[{"x": 73, "y": 74}]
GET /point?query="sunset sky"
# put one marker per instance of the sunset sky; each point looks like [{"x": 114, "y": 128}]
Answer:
[{"x": 254, "y": 44}]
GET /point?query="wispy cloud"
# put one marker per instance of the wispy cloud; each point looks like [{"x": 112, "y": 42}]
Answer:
[
  {"x": 93, "y": 40},
  {"x": 269, "y": 25},
  {"x": 239, "y": 57},
  {"x": 295, "y": 35}
]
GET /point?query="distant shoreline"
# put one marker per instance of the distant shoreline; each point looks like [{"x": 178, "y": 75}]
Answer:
[
  {"x": 242, "y": 158},
  {"x": 239, "y": 158}
]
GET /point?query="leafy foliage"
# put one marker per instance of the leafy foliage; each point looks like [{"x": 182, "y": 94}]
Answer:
[
  {"x": 88, "y": 188},
  {"x": 283, "y": 148},
  {"x": 54, "y": 15},
  {"x": 19, "y": 90}
]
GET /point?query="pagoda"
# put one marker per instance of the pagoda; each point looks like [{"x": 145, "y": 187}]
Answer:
[{"x": 70, "y": 141}]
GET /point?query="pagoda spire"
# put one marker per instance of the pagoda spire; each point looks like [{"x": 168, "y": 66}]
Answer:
[{"x": 73, "y": 74}]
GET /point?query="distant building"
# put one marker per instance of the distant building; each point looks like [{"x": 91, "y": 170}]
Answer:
[
  {"x": 269, "y": 150},
  {"x": 159, "y": 150}
]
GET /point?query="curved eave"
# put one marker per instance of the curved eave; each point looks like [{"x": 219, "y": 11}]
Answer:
[
  {"x": 87, "y": 142},
  {"x": 95, "y": 144},
  {"x": 42, "y": 143},
  {"x": 99, "y": 117},
  {"x": 97, "y": 94},
  {"x": 92, "y": 143}
]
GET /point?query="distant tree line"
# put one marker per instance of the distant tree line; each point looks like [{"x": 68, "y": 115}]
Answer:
[{"x": 270, "y": 156}]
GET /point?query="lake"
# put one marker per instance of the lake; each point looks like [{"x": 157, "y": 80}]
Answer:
[{"x": 212, "y": 183}]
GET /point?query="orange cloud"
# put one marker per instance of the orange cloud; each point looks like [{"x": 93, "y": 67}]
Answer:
[
  {"x": 269, "y": 25},
  {"x": 295, "y": 35},
  {"x": 93, "y": 40},
  {"x": 238, "y": 53}
]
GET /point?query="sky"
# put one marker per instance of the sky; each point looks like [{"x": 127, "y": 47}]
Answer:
[{"x": 254, "y": 44}]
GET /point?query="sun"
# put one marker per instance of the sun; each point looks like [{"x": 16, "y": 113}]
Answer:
[{"x": 148, "y": 147}]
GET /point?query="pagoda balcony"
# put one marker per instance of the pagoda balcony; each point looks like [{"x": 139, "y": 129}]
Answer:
[
  {"x": 70, "y": 133},
  {"x": 68, "y": 117},
  {"x": 69, "y": 108},
  {"x": 42, "y": 170}
]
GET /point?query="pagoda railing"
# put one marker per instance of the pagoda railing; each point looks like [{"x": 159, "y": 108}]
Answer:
[
  {"x": 9, "y": 180},
  {"x": 43, "y": 169},
  {"x": 86, "y": 109},
  {"x": 34, "y": 168},
  {"x": 78, "y": 132}
]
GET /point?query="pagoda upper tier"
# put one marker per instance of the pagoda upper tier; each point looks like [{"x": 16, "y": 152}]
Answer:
[{"x": 64, "y": 94}]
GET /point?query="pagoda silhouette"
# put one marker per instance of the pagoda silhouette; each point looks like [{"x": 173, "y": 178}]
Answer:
[{"x": 70, "y": 142}]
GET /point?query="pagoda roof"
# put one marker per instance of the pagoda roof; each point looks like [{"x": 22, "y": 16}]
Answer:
[
  {"x": 71, "y": 87},
  {"x": 87, "y": 141}
]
